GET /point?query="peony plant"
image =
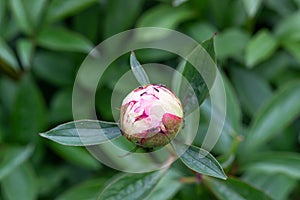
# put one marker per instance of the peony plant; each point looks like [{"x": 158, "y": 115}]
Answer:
[{"x": 151, "y": 116}]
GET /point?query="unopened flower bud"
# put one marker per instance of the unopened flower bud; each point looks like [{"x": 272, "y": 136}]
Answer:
[{"x": 151, "y": 116}]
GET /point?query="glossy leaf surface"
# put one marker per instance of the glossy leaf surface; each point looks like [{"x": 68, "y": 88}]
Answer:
[
  {"x": 13, "y": 158},
  {"x": 234, "y": 189},
  {"x": 202, "y": 162},
  {"x": 275, "y": 163},
  {"x": 59, "y": 9},
  {"x": 131, "y": 186},
  {"x": 196, "y": 80},
  {"x": 24, "y": 179},
  {"x": 83, "y": 133},
  {"x": 138, "y": 70},
  {"x": 269, "y": 120},
  {"x": 64, "y": 40}
]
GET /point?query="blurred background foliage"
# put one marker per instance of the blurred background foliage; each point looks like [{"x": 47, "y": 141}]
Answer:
[{"x": 43, "y": 43}]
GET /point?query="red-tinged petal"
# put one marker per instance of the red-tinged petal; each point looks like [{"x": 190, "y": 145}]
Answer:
[{"x": 172, "y": 122}]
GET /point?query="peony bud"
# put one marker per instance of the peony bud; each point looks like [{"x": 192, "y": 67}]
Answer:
[{"x": 151, "y": 116}]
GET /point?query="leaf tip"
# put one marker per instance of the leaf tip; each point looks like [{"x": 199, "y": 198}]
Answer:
[
  {"x": 132, "y": 57},
  {"x": 43, "y": 135},
  {"x": 224, "y": 177}
]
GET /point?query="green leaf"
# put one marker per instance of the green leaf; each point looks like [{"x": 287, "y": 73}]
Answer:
[
  {"x": 195, "y": 80},
  {"x": 163, "y": 190},
  {"x": 115, "y": 15},
  {"x": 63, "y": 40},
  {"x": 8, "y": 59},
  {"x": 3, "y": 11},
  {"x": 2, "y": 132},
  {"x": 227, "y": 13},
  {"x": 35, "y": 10},
  {"x": 28, "y": 115},
  {"x": 83, "y": 133},
  {"x": 196, "y": 93},
  {"x": 234, "y": 189},
  {"x": 275, "y": 163},
  {"x": 138, "y": 71},
  {"x": 11, "y": 30},
  {"x": 288, "y": 75},
  {"x": 269, "y": 120},
  {"x": 233, "y": 111},
  {"x": 252, "y": 7},
  {"x": 21, "y": 184},
  {"x": 232, "y": 121},
  {"x": 202, "y": 162},
  {"x": 253, "y": 91},
  {"x": 153, "y": 55},
  {"x": 76, "y": 155},
  {"x": 51, "y": 180},
  {"x": 289, "y": 28},
  {"x": 283, "y": 8},
  {"x": 55, "y": 68},
  {"x": 25, "y": 50},
  {"x": 200, "y": 31},
  {"x": 297, "y": 2},
  {"x": 209, "y": 46},
  {"x": 294, "y": 48},
  {"x": 278, "y": 186},
  {"x": 275, "y": 66},
  {"x": 260, "y": 48},
  {"x": 28, "y": 13},
  {"x": 285, "y": 140},
  {"x": 21, "y": 15},
  {"x": 177, "y": 79},
  {"x": 14, "y": 157},
  {"x": 59, "y": 9},
  {"x": 131, "y": 186},
  {"x": 176, "y": 3},
  {"x": 164, "y": 16},
  {"x": 226, "y": 48},
  {"x": 288, "y": 32},
  {"x": 61, "y": 106},
  {"x": 87, "y": 190},
  {"x": 92, "y": 29},
  {"x": 9, "y": 88}
]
